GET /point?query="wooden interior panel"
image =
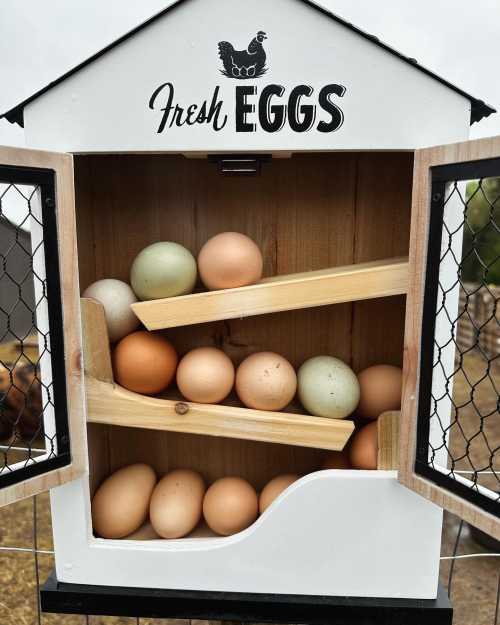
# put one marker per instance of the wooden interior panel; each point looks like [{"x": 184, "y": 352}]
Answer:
[
  {"x": 383, "y": 210},
  {"x": 212, "y": 457},
  {"x": 308, "y": 212}
]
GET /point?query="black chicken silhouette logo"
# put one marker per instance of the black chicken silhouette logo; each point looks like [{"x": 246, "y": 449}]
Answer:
[{"x": 244, "y": 64}]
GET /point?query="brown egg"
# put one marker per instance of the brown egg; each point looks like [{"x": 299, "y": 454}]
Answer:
[
  {"x": 266, "y": 381},
  {"x": 120, "y": 504},
  {"x": 229, "y": 260},
  {"x": 205, "y": 375},
  {"x": 230, "y": 505},
  {"x": 380, "y": 387},
  {"x": 176, "y": 503},
  {"x": 336, "y": 460},
  {"x": 144, "y": 362},
  {"x": 274, "y": 488},
  {"x": 363, "y": 450}
]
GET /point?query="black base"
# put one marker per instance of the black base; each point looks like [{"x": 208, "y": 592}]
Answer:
[{"x": 231, "y": 606}]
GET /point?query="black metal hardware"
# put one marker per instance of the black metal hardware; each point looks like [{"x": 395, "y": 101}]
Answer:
[{"x": 239, "y": 164}]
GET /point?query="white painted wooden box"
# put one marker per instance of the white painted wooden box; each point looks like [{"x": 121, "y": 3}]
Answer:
[{"x": 342, "y": 115}]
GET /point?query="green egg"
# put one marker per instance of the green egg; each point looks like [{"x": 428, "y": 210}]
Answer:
[
  {"x": 164, "y": 269},
  {"x": 328, "y": 387}
]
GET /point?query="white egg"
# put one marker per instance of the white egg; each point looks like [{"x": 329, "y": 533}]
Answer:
[{"x": 116, "y": 297}]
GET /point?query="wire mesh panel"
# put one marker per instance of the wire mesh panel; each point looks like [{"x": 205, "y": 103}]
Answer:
[
  {"x": 33, "y": 417},
  {"x": 458, "y": 426}
]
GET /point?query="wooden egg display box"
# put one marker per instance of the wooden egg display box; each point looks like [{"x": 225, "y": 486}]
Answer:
[{"x": 333, "y": 211}]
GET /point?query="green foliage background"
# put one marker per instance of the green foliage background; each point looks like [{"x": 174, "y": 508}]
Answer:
[{"x": 482, "y": 232}]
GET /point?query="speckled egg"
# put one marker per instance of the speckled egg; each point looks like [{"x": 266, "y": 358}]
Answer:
[
  {"x": 266, "y": 381},
  {"x": 328, "y": 387},
  {"x": 176, "y": 503}
]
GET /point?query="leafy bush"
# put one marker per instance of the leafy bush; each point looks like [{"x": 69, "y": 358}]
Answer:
[{"x": 481, "y": 245}]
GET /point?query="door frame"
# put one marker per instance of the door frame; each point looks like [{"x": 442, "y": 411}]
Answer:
[
  {"x": 61, "y": 165},
  {"x": 425, "y": 159}
]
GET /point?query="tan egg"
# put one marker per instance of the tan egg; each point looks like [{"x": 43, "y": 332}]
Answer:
[
  {"x": 381, "y": 387},
  {"x": 145, "y": 532},
  {"x": 266, "y": 381},
  {"x": 229, "y": 260},
  {"x": 176, "y": 504},
  {"x": 336, "y": 460},
  {"x": 230, "y": 505},
  {"x": 205, "y": 375},
  {"x": 274, "y": 488},
  {"x": 363, "y": 450},
  {"x": 120, "y": 504},
  {"x": 144, "y": 362}
]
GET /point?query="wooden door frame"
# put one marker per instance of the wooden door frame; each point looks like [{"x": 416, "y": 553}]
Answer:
[
  {"x": 62, "y": 166},
  {"x": 425, "y": 159}
]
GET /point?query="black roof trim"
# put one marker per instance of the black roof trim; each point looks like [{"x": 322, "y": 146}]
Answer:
[{"x": 479, "y": 109}]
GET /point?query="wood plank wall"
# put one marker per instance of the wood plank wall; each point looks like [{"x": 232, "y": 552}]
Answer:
[{"x": 308, "y": 212}]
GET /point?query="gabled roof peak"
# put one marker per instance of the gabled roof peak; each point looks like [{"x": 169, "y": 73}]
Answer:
[{"x": 479, "y": 109}]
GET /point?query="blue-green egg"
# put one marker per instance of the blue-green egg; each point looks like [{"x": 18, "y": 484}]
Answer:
[
  {"x": 163, "y": 269},
  {"x": 327, "y": 387}
]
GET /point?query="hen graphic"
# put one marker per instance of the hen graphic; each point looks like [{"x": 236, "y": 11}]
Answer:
[{"x": 244, "y": 64}]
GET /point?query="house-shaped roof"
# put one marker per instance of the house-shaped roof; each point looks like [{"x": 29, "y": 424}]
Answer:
[{"x": 479, "y": 109}]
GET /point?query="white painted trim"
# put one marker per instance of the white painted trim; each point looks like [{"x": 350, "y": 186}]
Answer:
[
  {"x": 356, "y": 533},
  {"x": 388, "y": 104}
]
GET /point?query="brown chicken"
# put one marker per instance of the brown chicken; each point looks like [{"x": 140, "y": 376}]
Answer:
[{"x": 20, "y": 402}]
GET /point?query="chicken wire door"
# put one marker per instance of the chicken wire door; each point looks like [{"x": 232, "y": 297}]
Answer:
[
  {"x": 41, "y": 429},
  {"x": 450, "y": 430}
]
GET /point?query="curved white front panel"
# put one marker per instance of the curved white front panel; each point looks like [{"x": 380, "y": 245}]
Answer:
[{"x": 355, "y": 533}]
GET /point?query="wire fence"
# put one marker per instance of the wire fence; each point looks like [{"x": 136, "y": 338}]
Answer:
[{"x": 458, "y": 429}]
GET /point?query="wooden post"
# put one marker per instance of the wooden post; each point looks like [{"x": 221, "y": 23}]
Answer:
[{"x": 388, "y": 440}]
